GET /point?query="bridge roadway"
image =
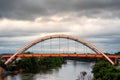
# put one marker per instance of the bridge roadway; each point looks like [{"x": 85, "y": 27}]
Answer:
[{"x": 61, "y": 55}]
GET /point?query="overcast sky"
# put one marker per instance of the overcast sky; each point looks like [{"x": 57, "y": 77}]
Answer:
[{"x": 97, "y": 21}]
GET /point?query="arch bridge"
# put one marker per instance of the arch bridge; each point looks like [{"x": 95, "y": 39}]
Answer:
[{"x": 99, "y": 53}]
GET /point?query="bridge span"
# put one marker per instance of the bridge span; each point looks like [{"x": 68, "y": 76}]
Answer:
[
  {"x": 100, "y": 53},
  {"x": 61, "y": 55}
]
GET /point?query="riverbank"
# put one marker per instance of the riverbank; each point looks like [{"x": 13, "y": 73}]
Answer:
[
  {"x": 69, "y": 71},
  {"x": 33, "y": 65}
]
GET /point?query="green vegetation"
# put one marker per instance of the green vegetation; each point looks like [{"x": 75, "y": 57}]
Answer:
[
  {"x": 118, "y": 53},
  {"x": 84, "y": 73},
  {"x": 36, "y": 64},
  {"x": 82, "y": 59},
  {"x": 32, "y": 64},
  {"x": 105, "y": 71}
]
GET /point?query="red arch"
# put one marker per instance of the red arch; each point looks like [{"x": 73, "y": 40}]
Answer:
[{"x": 32, "y": 43}]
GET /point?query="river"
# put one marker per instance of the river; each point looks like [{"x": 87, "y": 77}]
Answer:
[{"x": 69, "y": 71}]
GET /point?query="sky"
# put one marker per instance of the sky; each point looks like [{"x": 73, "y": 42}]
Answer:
[{"x": 96, "y": 21}]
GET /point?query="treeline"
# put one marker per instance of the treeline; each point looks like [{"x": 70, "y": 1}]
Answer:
[
  {"x": 102, "y": 71},
  {"x": 32, "y": 65},
  {"x": 105, "y": 71},
  {"x": 36, "y": 64},
  {"x": 118, "y": 53},
  {"x": 82, "y": 59}
]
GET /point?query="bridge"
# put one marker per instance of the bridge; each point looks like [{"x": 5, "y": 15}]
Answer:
[
  {"x": 39, "y": 55},
  {"x": 98, "y": 53}
]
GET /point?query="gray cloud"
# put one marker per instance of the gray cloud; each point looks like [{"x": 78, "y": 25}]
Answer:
[
  {"x": 21, "y": 33},
  {"x": 19, "y": 29},
  {"x": 30, "y": 9},
  {"x": 105, "y": 43},
  {"x": 98, "y": 26}
]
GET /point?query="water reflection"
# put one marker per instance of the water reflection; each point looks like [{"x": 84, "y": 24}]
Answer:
[{"x": 69, "y": 71}]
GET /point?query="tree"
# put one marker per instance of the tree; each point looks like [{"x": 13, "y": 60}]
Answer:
[
  {"x": 118, "y": 53},
  {"x": 36, "y": 64},
  {"x": 28, "y": 52},
  {"x": 82, "y": 76},
  {"x": 105, "y": 71},
  {"x": 84, "y": 73},
  {"x": 28, "y": 64}
]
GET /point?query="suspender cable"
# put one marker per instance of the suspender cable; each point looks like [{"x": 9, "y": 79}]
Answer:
[
  {"x": 59, "y": 45},
  {"x": 41, "y": 47},
  {"x": 75, "y": 46},
  {"x": 68, "y": 44},
  {"x": 50, "y": 45}
]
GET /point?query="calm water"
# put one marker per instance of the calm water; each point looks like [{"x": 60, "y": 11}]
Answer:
[{"x": 69, "y": 71}]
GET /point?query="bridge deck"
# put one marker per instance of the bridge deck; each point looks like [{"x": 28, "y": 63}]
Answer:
[{"x": 62, "y": 55}]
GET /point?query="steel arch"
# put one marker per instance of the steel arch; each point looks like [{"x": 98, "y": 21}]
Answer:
[{"x": 32, "y": 43}]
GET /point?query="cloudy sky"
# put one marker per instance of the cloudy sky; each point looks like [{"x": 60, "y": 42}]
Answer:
[{"x": 97, "y": 21}]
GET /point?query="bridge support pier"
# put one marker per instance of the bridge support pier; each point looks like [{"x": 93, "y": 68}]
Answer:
[{"x": 117, "y": 62}]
